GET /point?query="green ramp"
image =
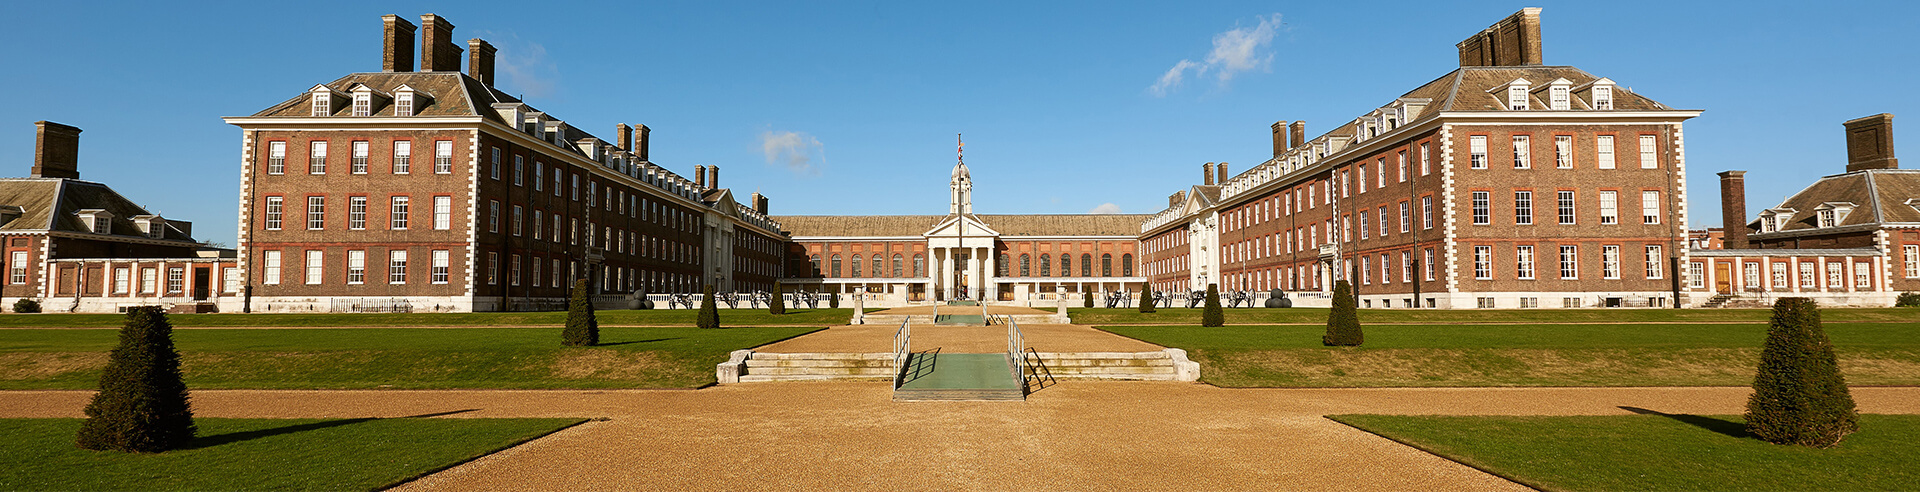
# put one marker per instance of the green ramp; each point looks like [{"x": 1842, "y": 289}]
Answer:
[{"x": 938, "y": 376}]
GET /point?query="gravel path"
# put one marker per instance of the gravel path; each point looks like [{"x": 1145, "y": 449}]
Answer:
[{"x": 849, "y": 436}]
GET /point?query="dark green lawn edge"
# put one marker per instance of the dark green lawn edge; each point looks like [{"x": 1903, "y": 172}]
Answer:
[
  {"x": 784, "y": 339},
  {"x": 1437, "y": 454},
  {"x": 482, "y": 454}
]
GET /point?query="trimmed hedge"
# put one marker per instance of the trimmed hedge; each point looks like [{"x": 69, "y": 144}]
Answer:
[
  {"x": 1146, "y": 298},
  {"x": 1343, "y": 321},
  {"x": 583, "y": 329},
  {"x": 778, "y": 303},
  {"x": 709, "y": 316},
  {"x": 142, "y": 403},
  {"x": 1799, "y": 396},
  {"x": 26, "y": 306},
  {"x": 1212, "y": 315}
]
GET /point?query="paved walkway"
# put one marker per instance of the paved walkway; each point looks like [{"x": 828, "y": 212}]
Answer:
[
  {"x": 960, "y": 339},
  {"x": 945, "y": 309},
  {"x": 849, "y": 436}
]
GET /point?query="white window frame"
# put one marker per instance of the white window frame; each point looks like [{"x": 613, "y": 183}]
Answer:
[
  {"x": 398, "y": 211},
  {"x": 357, "y": 213},
  {"x": 442, "y": 212},
  {"x": 1649, "y": 206},
  {"x": 1523, "y": 262},
  {"x": 1655, "y": 262},
  {"x": 1523, "y": 207},
  {"x": 397, "y": 266},
  {"x": 1569, "y": 262},
  {"x": 1603, "y": 152},
  {"x": 1523, "y": 152},
  {"x": 356, "y": 267},
  {"x": 357, "y": 161},
  {"x": 275, "y": 212},
  {"x": 316, "y": 261},
  {"x": 1483, "y": 262},
  {"x": 1563, "y": 152},
  {"x": 277, "y": 157},
  {"x": 1610, "y": 261},
  {"x": 272, "y": 271},
  {"x": 316, "y": 212},
  {"x": 1568, "y": 211},
  {"x": 317, "y": 157},
  {"x": 1477, "y": 151},
  {"x": 443, "y": 157},
  {"x": 1609, "y": 207},
  {"x": 402, "y": 157},
  {"x": 439, "y": 272},
  {"x": 1482, "y": 207},
  {"x": 1911, "y": 253},
  {"x": 1649, "y": 152},
  {"x": 1602, "y": 97}
]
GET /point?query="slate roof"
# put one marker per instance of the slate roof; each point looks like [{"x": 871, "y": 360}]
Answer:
[
  {"x": 1465, "y": 89},
  {"x": 1879, "y": 196},
  {"x": 1008, "y": 225},
  {"x": 49, "y": 204}
]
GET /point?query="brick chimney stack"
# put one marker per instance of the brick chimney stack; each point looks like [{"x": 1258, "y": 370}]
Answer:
[
  {"x": 1733, "y": 209},
  {"x": 760, "y": 204},
  {"x": 56, "y": 151},
  {"x": 480, "y": 60},
  {"x": 1222, "y": 167},
  {"x": 700, "y": 178},
  {"x": 397, "y": 46},
  {"x": 713, "y": 177},
  {"x": 1870, "y": 143},
  {"x": 625, "y": 136},
  {"x": 1206, "y": 174},
  {"x": 1298, "y": 134},
  {"x": 1175, "y": 199},
  {"x": 437, "y": 52},
  {"x": 1514, "y": 41},
  {"x": 1280, "y": 138},
  {"x": 640, "y": 142}
]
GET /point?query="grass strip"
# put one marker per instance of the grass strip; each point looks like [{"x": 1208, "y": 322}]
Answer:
[
  {"x": 1656, "y": 451},
  {"x": 455, "y": 358},
  {"x": 1521, "y": 355},
  {"x": 262, "y": 454},
  {"x": 1185, "y": 316},
  {"x": 650, "y": 317}
]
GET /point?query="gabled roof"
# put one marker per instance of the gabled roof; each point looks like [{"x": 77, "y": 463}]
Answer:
[
  {"x": 49, "y": 204},
  {"x": 1879, "y": 196}
]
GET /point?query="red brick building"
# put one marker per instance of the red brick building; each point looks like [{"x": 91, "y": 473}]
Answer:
[
  {"x": 432, "y": 190},
  {"x": 1848, "y": 239},
  {"x": 1506, "y": 183},
  {"x": 77, "y": 246}
]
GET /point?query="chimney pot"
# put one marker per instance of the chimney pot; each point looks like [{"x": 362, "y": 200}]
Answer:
[
  {"x": 1206, "y": 174},
  {"x": 437, "y": 52},
  {"x": 1514, "y": 41},
  {"x": 1733, "y": 209},
  {"x": 397, "y": 45},
  {"x": 1870, "y": 143},
  {"x": 1280, "y": 138},
  {"x": 641, "y": 140},
  {"x": 480, "y": 60},
  {"x": 56, "y": 151}
]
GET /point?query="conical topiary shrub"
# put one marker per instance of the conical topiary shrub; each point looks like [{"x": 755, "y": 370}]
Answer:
[
  {"x": 142, "y": 404},
  {"x": 709, "y": 316},
  {"x": 1086, "y": 299},
  {"x": 1343, "y": 322},
  {"x": 1799, "y": 396},
  {"x": 583, "y": 330},
  {"x": 1146, "y": 298},
  {"x": 777, "y": 302},
  {"x": 1212, "y": 315}
]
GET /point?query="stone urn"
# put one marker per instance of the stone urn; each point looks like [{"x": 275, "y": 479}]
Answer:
[{"x": 1278, "y": 299}]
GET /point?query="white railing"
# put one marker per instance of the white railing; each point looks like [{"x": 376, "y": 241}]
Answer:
[
  {"x": 1016, "y": 353},
  {"x": 902, "y": 348}
]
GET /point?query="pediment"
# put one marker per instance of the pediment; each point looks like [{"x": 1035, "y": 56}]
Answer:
[{"x": 957, "y": 226}]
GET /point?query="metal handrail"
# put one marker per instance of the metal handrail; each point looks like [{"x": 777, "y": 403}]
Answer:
[
  {"x": 1039, "y": 368},
  {"x": 902, "y": 348},
  {"x": 1015, "y": 355}
]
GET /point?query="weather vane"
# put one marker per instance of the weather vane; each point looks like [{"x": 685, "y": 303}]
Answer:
[{"x": 962, "y": 152}]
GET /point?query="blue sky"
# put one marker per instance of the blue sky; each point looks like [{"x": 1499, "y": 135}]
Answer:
[{"x": 852, "y": 107}]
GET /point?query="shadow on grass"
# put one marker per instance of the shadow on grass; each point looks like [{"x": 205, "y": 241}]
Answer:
[
  {"x": 1727, "y": 428},
  {"x": 233, "y": 437},
  {"x": 635, "y": 341}
]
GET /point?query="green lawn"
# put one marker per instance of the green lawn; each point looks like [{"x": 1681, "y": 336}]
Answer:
[
  {"x": 1659, "y": 452},
  {"x": 261, "y": 454},
  {"x": 1667, "y": 354},
  {"x": 323, "y": 358},
  {"x": 651, "y": 317},
  {"x": 1184, "y": 316}
]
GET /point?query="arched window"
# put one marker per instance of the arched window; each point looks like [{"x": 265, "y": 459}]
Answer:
[
  {"x": 919, "y": 265},
  {"x": 1046, "y": 265},
  {"x": 1126, "y": 265},
  {"x": 1086, "y": 264},
  {"x": 1005, "y": 264},
  {"x": 1066, "y": 264},
  {"x": 1026, "y": 265},
  {"x": 854, "y": 270},
  {"x": 878, "y": 266},
  {"x": 1106, "y": 264},
  {"x": 896, "y": 266},
  {"x": 836, "y": 266},
  {"x": 815, "y": 260}
]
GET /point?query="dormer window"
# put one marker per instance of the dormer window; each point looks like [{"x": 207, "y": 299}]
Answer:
[
  {"x": 363, "y": 104},
  {"x": 1517, "y": 97},
  {"x": 1775, "y": 219},
  {"x": 96, "y": 220},
  {"x": 1558, "y": 98},
  {"x": 322, "y": 104},
  {"x": 1603, "y": 96},
  {"x": 1831, "y": 214},
  {"x": 151, "y": 226},
  {"x": 1915, "y": 203},
  {"x": 403, "y": 104}
]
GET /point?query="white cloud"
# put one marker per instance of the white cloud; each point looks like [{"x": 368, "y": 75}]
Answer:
[
  {"x": 522, "y": 67},
  {"x": 798, "y": 152},
  {"x": 1105, "y": 209},
  {"x": 1237, "y": 50}
]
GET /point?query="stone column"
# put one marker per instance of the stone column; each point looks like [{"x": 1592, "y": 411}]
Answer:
[
  {"x": 859, "y": 305},
  {"x": 990, "y": 289},
  {"x": 1793, "y": 273},
  {"x": 1060, "y": 304}
]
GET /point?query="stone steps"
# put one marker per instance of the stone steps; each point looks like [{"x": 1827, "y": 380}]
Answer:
[
  {"x": 748, "y": 366},
  {"x": 959, "y": 395}
]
